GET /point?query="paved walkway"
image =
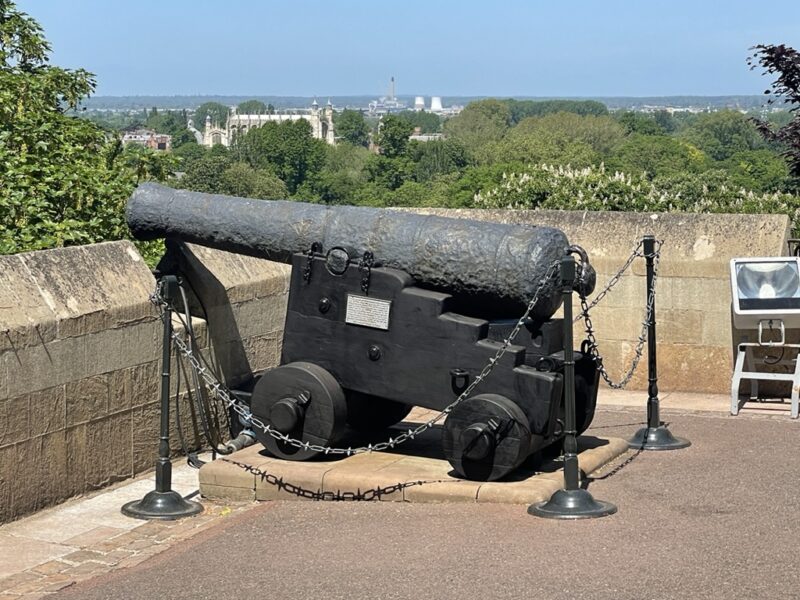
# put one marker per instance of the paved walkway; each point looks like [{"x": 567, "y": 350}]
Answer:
[{"x": 737, "y": 468}]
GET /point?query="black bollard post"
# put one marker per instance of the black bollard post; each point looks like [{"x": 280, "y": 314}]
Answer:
[
  {"x": 571, "y": 502},
  {"x": 164, "y": 503},
  {"x": 655, "y": 436}
]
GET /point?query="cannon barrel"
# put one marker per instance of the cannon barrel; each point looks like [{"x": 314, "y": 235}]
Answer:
[{"x": 490, "y": 269}]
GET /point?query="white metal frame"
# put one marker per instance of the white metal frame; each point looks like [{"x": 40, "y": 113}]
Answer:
[{"x": 745, "y": 355}]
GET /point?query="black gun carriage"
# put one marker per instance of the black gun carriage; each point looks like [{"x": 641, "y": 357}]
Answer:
[{"x": 388, "y": 310}]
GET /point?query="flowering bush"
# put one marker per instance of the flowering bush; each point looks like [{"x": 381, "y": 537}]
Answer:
[{"x": 594, "y": 188}]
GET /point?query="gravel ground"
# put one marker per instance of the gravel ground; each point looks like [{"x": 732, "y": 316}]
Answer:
[{"x": 717, "y": 520}]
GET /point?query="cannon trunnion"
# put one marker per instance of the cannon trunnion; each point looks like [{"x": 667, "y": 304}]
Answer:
[{"x": 363, "y": 345}]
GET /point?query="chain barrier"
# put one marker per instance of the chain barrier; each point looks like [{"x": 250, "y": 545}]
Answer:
[
  {"x": 337, "y": 496},
  {"x": 218, "y": 389},
  {"x": 591, "y": 340}
]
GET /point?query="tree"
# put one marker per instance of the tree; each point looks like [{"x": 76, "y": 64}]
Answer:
[
  {"x": 479, "y": 123},
  {"x": 635, "y": 122},
  {"x": 205, "y": 175},
  {"x": 61, "y": 182},
  {"x": 252, "y": 107},
  {"x": 240, "y": 179},
  {"x": 784, "y": 62},
  {"x": 288, "y": 149},
  {"x": 352, "y": 128},
  {"x": 602, "y": 133},
  {"x": 217, "y": 111},
  {"x": 393, "y": 133},
  {"x": 437, "y": 158},
  {"x": 522, "y": 109},
  {"x": 656, "y": 155},
  {"x": 722, "y": 134},
  {"x": 427, "y": 122}
]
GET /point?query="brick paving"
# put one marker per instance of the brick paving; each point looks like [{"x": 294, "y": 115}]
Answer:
[{"x": 104, "y": 550}]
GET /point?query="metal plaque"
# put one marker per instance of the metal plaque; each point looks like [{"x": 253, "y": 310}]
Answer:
[{"x": 369, "y": 312}]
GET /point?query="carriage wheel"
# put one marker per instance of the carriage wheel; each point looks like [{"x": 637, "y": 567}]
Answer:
[
  {"x": 486, "y": 437},
  {"x": 301, "y": 400}
]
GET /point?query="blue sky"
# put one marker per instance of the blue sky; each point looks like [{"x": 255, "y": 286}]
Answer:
[{"x": 467, "y": 47}]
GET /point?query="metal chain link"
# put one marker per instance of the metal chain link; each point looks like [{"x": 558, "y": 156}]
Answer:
[
  {"x": 639, "y": 349},
  {"x": 615, "y": 279},
  {"x": 219, "y": 390}
]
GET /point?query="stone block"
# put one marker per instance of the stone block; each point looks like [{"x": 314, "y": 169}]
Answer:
[
  {"x": 694, "y": 294},
  {"x": 48, "y": 410},
  {"x": 115, "y": 349},
  {"x": 679, "y": 326},
  {"x": 134, "y": 386},
  {"x": 8, "y": 458},
  {"x": 25, "y": 317},
  {"x": 145, "y": 428},
  {"x": 444, "y": 491},
  {"x": 690, "y": 367},
  {"x": 86, "y": 399},
  {"x": 306, "y": 475},
  {"x": 240, "y": 278},
  {"x": 40, "y": 471},
  {"x": 259, "y": 317},
  {"x": 262, "y": 351},
  {"x": 109, "y": 451},
  {"x": 42, "y": 366},
  {"x": 527, "y": 492},
  {"x": 221, "y": 473},
  {"x": 94, "y": 287},
  {"x": 221, "y": 492},
  {"x": 77, "y": 457},
  {"x": 717, "y": 329},
  {"x": 14, "y": 420}
]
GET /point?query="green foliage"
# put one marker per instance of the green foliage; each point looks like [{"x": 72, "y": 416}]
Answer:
[
  {"x": 480, "y": 123},
  {"x": 287, "y": 149},
  {"x": 437, "y": 158},
  {"x": 205, "y": 174},
  {"x": 171, "y": 122},
  {"x": 148, "y": 164},
  {"x": 351, "y": 127},
  {"x": 389, "y": 173},
  {"x": 240, "y": 179},
  {"x": 760, "y": 170},
  {"x": 722, "y": 134},
  {"x": 635, "y": 122},
  {"x": 426, "y": 121},
  {"x": 596, "y": 189},
  {"x": 253, "y": 107},
  {"x": 217, "y": 111},
  {"x": 522, "y": 109},
  {"x": 656, "y": 155},
  {"x": 393, "y": 135},
  {"x": 61, "y": 183}
]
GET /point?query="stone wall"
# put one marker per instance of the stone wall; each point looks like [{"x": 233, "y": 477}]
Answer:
[
  {"x": 80, "y": 341},
  {"x": 79, "y": 364},
  {"x": 693, "y": 291}
]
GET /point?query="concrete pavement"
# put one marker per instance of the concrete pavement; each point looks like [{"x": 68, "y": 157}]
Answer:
[{"x": 717, "y": 520}]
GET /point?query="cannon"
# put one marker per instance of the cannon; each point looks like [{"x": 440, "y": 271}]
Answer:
[{"x": 388, "y": 310}]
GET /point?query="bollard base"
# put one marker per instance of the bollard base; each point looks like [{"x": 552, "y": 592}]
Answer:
[
  {"x": 657, "y": 438},
  {"x": 572, "y": 504},
  {"x": 166, "y": 506}
]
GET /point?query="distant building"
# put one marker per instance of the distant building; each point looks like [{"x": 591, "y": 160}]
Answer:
[
  {"x": 321, "y": 121},
  {"x": 148, "y": 138},
  {"x": 386, "y": 104},
  {"x": 418, "y": 136}
]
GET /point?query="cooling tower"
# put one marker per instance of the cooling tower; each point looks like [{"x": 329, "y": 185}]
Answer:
[{"x": 436, "y": 104}]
